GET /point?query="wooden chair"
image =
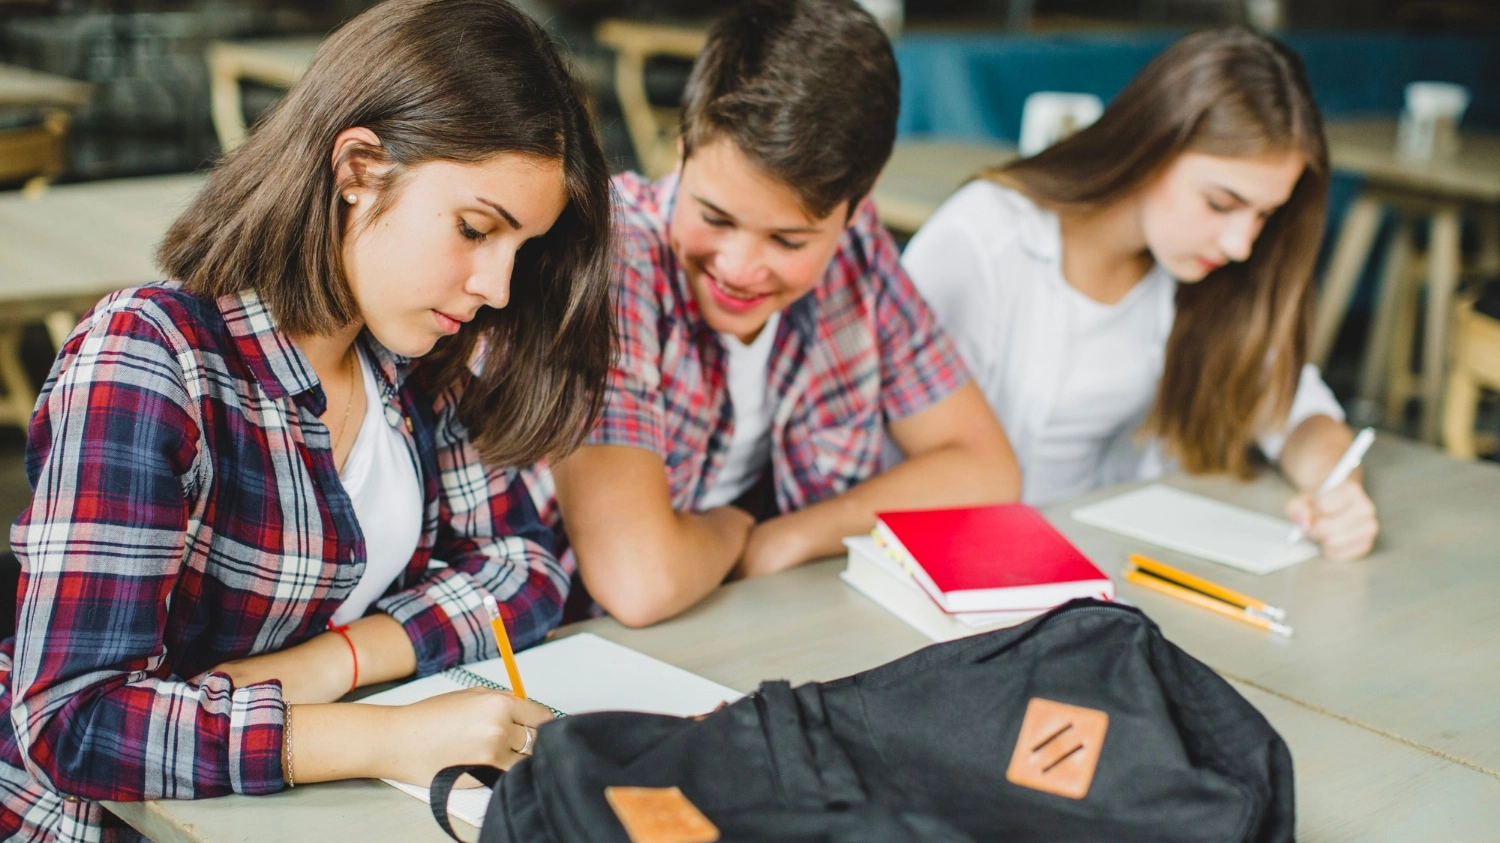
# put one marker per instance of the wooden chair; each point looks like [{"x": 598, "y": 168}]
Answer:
[
  {"x": 277, "y": 62},
  {"x": 35, "y": 154},
  {"x": 1476, "y": 366},
  {"x": 653, "y": 129}
]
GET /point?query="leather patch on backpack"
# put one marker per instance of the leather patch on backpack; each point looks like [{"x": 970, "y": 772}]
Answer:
[
  {"x": 660, "y": 815},
  {"x": 1058, "y": 748}
]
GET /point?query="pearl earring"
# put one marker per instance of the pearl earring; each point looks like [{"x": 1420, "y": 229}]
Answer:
[{"x": 352, "y": 198}]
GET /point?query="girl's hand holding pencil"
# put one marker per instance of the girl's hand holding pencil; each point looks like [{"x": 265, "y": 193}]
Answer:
[{"x": 1339, "y": 516}]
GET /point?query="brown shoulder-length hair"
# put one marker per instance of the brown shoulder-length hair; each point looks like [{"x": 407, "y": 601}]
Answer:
[
  {"x": 1241, "y": 334},
  {"x": 453, "y": 80}
]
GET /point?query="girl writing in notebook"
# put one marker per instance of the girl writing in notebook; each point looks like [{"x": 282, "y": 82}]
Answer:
[
  {"x": 1139, "y": 293},
  {"x": 280, "y": 475}
]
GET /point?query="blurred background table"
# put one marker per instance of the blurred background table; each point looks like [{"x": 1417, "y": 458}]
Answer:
[
  {"x": 63, "y": 250},
  {"x": 20, "y": 86},
  {"x": 922, "y": 173},
  {"x": 35, "y": 109}
]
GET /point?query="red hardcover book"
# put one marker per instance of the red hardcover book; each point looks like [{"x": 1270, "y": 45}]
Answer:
[{"x": 990, "y": 558}]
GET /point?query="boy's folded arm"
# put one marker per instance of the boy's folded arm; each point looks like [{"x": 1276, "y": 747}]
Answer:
[
  {"x": 642, "y": 560},
  {"x": 957, "y": 454}
]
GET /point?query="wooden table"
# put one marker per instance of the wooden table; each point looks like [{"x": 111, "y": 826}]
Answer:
[
  {"x": 37, "y": 153},
  {"x": 22, "y": 86},
  {"x": 922, "y": 173},
  {"x": 279, "y": 62},
  {"x": 1444, "y": 191},
  {"x": 65, "y": 249},
  {"x": 1386, "y": 695}
]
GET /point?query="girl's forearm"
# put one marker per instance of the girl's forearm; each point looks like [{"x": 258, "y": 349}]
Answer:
[
  {"x": 384, "y": 649},
  {"x": 410, "y": 743},
  {"x": 323, "y": 668},
  {"x": 335, "y": 741},
  {"x": 1312, "y": 449}
]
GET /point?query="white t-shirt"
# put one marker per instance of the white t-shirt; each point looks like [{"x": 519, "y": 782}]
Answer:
[
  {"x": 380, "y": 476},
  {"x": 1107, "y": 385},
  {"x": 1072, "y": 380},
  {"x": 750, "y": 446}
]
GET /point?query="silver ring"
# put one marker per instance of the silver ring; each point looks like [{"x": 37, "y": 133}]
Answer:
[{"x": 530, "y": 739}]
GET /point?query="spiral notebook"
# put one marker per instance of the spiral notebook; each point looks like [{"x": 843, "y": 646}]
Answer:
[
  {"x": 571, "y": 675},
  {"x": 1203, "y": 527}
]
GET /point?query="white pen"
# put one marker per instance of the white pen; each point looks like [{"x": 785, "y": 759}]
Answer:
[{"x": 1341, "y": 470}]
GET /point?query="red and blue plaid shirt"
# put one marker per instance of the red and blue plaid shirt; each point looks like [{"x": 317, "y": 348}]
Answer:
[
  {"x": 861, "y": 350},
  {"x": 187, "y": 511}
]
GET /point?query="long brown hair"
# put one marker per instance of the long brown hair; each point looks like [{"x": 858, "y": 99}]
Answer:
[
  {"x": 1241, "y": 334},
  {"x": 454, "y": 80}
]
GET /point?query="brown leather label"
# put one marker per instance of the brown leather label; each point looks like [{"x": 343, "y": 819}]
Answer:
[
  {"x": 1058, "y": 749},
  {"x": 660, "y": 815}
]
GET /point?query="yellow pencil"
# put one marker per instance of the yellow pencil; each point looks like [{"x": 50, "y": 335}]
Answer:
[
  {"x": 1158, "y": 584},
  {"x": 1167, "y": 572},
  {"x": 507, "y": 655}
]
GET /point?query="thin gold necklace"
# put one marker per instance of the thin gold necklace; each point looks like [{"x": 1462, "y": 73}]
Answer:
[{"x": 348, "y": 403}]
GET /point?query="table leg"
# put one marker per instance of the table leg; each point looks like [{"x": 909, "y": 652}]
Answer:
[
  {"x": 1399, "y": 384},
  {"x": 1373, "y": 371},
  {"x": 60, "y": 324},
  {"x": 19, "y": 398},
  {"x": 1460, "y": 405},
  {"x": 1442, "y": 280},
  {"x": 1361, "y": 224},
  {"x": 1487, "y": 262}
]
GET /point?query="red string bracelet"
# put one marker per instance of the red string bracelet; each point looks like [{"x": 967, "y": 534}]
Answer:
[{"x": 353, "y": 653}]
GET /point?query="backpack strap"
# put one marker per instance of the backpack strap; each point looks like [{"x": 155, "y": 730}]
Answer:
[{"x": 442, "y": 787}]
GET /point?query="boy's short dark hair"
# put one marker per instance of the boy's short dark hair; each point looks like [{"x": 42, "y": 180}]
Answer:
[{"x": 808, "y": 89}]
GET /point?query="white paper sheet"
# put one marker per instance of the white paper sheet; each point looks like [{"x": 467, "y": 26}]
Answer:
[
  {"x": 1200, "y": 526},
  {"x": 577, "y": 674}
]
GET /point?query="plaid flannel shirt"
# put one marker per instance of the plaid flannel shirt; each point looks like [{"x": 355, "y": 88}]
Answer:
[
  {"x": 187, "y": 511},
  {"x": 859, "y": 351}
]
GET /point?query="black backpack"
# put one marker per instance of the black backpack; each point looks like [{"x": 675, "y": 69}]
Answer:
[{"x": 1084, "y": 724}]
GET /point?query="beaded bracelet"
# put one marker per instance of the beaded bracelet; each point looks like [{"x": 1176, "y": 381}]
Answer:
[{"x": 286, "y": 749}]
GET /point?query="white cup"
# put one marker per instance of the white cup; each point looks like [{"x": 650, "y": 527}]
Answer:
[
  {"x": 1429, "y": 124},
  {"x": 1049, "y": 116},
  {"x": 890, "y": 14}
]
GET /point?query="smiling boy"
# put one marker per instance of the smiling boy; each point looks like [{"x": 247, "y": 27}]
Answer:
[{"x": 769, "y": 338}]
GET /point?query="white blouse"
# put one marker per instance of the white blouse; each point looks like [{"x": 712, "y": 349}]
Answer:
[
  {"x": 380, "y": 475},
  {"x": 1071, "y": 379}
]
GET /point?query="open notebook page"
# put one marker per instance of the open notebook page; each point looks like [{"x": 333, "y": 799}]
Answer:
[
  {"x": 577, "y": 674},
  {"x": 1200, "y": 526}
]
